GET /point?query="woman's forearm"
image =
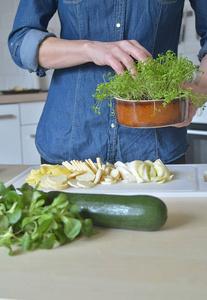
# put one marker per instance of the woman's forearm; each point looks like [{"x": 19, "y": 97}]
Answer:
[{"x": 57, "y": 53}]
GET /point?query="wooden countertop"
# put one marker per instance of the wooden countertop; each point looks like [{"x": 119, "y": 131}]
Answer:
[
  {"x": 115, "y": 264},
  {"x": 20, "y": 98},
  {"x": 7, "y": 172}
]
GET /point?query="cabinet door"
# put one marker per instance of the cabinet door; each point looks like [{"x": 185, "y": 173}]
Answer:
[
  {"x": 10, "y": 145},
  {"x": 30, "y": 114},
  {"x": 29, "y": 151}
]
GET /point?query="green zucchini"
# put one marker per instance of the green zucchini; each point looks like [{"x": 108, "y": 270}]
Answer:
[{"x": 141, "y": 212}]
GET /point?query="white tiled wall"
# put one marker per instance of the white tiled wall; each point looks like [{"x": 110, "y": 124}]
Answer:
[{"x": 10, "y": 74}]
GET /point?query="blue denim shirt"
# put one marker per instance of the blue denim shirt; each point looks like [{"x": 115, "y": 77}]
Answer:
[{"x": 69, "y": 128}]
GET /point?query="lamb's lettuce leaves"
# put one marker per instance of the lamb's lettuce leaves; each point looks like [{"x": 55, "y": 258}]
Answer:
[{"x": 29, "y": 222}]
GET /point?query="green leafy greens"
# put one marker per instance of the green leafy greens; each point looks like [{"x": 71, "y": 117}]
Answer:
[
  {"x": 160, "y": 78},
  {"x": 28, "y": 222}
]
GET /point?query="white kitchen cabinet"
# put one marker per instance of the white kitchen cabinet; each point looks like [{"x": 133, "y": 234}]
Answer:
[
  {"x": 30, "y": 156},
  {"x": 10, "y": 136},
  {"x": 18, "y": 123},
  {"x": 29, "y": 118},
  {"x": 30, "y": 112}
]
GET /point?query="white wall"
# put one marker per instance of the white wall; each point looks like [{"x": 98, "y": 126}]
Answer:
[{"x": 10, "y": 74}]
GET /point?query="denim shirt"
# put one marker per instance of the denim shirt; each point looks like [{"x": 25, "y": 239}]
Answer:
[{"x": 68, "y": 128}]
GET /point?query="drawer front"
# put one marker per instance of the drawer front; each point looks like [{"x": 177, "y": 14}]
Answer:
[
  {"x": 29, "y": 151},
  {"x": 10, "y": 146}
]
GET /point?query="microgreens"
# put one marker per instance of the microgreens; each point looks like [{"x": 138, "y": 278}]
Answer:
[{"x": 160, "y": 78}]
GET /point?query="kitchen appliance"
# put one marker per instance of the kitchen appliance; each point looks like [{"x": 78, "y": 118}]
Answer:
[{"x": 197, "y": 137}]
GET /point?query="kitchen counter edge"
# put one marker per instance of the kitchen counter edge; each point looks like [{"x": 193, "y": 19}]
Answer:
[{"x": 21, "y": 98}]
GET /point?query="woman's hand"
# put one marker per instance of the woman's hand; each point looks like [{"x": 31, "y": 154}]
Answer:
[
  {"x": 118, "y": 55},
  {"x": 57, "y": 53},
  {"x": 191, "y": 108}
]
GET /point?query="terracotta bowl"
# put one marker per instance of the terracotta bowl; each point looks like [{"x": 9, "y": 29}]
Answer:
[{"x": 150, "y": 113}]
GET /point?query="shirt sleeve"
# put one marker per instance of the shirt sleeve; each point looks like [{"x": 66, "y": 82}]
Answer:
[
  {"x": 29, "y": 30},
  {"x": 200, "y": 8}
]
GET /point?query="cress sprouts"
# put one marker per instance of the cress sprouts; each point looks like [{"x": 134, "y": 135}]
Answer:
[{"x": 160, "y": 78}]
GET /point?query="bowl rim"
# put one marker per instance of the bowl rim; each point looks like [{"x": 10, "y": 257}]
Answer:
[{"x": 150, "y": 100}]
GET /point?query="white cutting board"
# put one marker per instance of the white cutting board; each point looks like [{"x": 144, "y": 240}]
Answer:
[{"x": 188, "y": 181}]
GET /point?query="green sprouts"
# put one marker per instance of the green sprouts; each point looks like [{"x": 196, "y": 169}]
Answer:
[{"x": 160, "y": 78}]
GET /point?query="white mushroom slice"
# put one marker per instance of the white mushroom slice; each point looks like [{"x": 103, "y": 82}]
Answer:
[
  {"x": 54, "y": 182},
  {"x": 99, "y": 162},
  {"x": 98, "y": 176},
  {"x": 85, "y": 184},
  {"x": 43, "y": 181},
  {"x": 146, "y": 171},
  {"x": 76, "y": 165},
  {"x": 152, "y": 172},
  {"x": 74, "y": 174},
  {"x": 127, "y": 175},
  {"x": 161, "y": 181},
  {"x": 87, "y": 167},
  {"x": 149, "y": 162},
  {"x": 88, "y": 176},
  {"x": 107, "y": 178},
  {"x": 130, "y": 178},
  {"x": 115, "y": 173},
  {"x": 141, "y": 169},
  {"x": 80, "y": 165},
  {"x": 91, "y": 165},
  {"x": 161, "y": 170},
  {"x": 133, "y": 167},
  {"x": 59, "y": 180},
  {"x": 67, "y": 165},
  {"x": 107, "y": 170},
  {"x": 120, "y": 164},
  {"x": 73, "y": 183},
  {"x": 103, "y": 167},
  {"x": 107, "y": 182},
  {"x": 110, "y": 165},
  {"x": 58, "y": 186}
]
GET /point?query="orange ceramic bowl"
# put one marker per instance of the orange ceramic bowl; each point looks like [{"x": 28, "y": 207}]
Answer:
[{"x": 150, "y": 113}]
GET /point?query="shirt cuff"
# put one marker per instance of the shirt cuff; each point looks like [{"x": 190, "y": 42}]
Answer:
[
  {"x": 29, "y": 50},
  {"x": 203, "y": 51}
]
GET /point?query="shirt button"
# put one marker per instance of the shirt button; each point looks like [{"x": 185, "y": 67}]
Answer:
[
  {"x": 118, "y": 25},
  {"x": 112, "y": 125}
]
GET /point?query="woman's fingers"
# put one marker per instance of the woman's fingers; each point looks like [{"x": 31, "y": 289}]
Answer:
[
  {"x": 118, "y": 58},
  {"x": 118, "y": 55},
  {"x": 191, "y": 113},
  {"x": 141, "y": 52},
  {"x": 192, "y": 108}
]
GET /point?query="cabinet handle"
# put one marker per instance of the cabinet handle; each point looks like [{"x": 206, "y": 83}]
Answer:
[
  {"x": 7, "y": 116},
  {"x": 197, "y": 132},
  {"x": 32, "y": 136}
]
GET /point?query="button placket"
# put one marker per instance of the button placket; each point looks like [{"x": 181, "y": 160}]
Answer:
[
  {"x": 119, "y": 23},
  {"x": 113, "y": 130}
]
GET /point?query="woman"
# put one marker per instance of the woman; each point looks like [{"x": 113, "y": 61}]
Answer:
[{"x": 97, "y": 37}]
